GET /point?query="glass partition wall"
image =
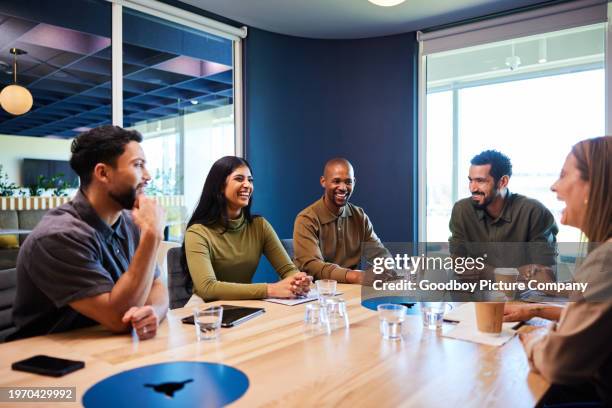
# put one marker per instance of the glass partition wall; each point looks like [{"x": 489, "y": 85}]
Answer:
[
  {"x": 170, "y": 74},
  {"x": 178, "y": 92}
]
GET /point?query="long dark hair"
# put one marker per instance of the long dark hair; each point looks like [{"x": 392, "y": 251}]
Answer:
[{"x": 212, "y": 206}]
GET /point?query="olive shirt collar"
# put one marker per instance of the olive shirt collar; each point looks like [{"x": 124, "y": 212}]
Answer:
[
  {"x": 506, "y": 214},
  {"x": 237, "y": 224},
  {"x": 232, "y": 225},
  {"x": 326, "y": 216},
  {"x": 81, "y": 204}
]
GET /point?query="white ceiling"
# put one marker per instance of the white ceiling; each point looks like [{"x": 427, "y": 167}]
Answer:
[{"x": 344, "y": 19}]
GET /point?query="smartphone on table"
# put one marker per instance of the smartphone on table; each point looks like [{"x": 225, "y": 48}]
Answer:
[{"x": 47, "y": 365}]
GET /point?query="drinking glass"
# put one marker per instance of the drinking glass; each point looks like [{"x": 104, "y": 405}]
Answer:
[
  {"x": 336, "y": 312},
  {"x": 208, "y": 322},
  {"x": 433, "y": 314},
  {"x": 315, "y": 318},
  {"x": 326, "y": 288},
  {"x": 391, "y": 317}
]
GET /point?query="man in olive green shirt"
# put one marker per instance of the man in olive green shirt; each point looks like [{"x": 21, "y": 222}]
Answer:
[
  {"x": 495, "y": 215},
  {"x": 328, "y": 235}
]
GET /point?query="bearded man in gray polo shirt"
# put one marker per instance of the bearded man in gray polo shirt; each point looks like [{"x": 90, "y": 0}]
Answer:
[
  {"x": 91, "y": 260},
  {"x": 494, "y": 215}
]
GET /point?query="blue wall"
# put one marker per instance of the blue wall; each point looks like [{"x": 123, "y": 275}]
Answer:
[{"x": 310, "y": 100}]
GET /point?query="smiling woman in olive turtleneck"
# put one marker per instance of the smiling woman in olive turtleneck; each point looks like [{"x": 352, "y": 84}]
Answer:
[{"x": 224, "y": 242}]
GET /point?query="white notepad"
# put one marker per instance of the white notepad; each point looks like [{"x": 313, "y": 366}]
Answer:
[
  {"x": 468, "y": 332},
  {"x": 466, "y": 329},
  {"x": 312, "y": 295}
]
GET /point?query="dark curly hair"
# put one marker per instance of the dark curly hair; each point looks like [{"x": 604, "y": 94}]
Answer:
[
  {"x": 500, "y": 163},
  {"x": 103, "y": 144}
]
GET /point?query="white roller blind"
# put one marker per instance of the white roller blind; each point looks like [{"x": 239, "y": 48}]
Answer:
[{"x": 546, "y": 19}]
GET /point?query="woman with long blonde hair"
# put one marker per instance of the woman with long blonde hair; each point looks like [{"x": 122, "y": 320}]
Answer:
[{"x": 576, "y": 354}]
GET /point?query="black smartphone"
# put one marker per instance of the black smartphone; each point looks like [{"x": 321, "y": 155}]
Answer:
[
  {"x": 233, "y": 315},
  {"x": 46, "y": 365}
]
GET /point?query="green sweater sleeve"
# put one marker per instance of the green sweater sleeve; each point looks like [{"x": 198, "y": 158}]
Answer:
[
  {"x": 276, "y": 254},
  {"x": 205, "y": 283}
]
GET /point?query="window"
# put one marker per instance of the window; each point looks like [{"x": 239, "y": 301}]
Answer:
[
  {"x": 529, "y": 97},
  {"x": 178, "y": 92}
]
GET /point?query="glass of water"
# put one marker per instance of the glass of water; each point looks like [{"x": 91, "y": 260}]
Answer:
[
  {"x": 315, "y": 318},
  {"x": 336, "y": 312},
  {"x": 326, "y": 288},
  {"x": 433, "y": 314},
  {"x": 391, "y": 317},
  {"x": 208, "y": 322}
]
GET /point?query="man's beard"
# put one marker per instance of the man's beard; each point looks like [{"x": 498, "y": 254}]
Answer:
[
  {"x": 486, "y": 202},
  {"x": 126, "y": 199}
]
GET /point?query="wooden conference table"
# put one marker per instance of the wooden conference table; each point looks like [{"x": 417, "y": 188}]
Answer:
[{"x": 287, "y": 367}]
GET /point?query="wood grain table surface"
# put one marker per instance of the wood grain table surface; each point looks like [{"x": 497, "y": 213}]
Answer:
[{"x": 288, "y": 367}]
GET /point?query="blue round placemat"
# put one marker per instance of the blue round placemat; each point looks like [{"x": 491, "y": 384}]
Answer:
[
  {"x": 372, "y": 303},
  {"x": 176, "y": 384}
]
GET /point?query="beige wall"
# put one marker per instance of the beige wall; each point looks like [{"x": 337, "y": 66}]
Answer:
[{"x": 15, "y": 148}]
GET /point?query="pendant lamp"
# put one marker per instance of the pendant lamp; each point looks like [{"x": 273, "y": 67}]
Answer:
[{"x": 14, "y": 98}]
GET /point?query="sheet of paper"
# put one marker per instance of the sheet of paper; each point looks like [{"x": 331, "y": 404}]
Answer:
[
  {"x": 468, "y": 332},
  {"x": 466, "y": 329},
  {"x": 312, "y": 295},
  {"x": 466, "y": 313},
  {"x": 534, "y": 296}
]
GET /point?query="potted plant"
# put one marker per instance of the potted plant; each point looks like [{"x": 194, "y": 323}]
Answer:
[
  {"x": 39, "y": 188},
  {"x": 7, "y": 188}
]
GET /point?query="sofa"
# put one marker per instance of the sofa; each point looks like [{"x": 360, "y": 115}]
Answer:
[
  {"x": 9, "y": 244},
  {"x": 8, "y": 287}
]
